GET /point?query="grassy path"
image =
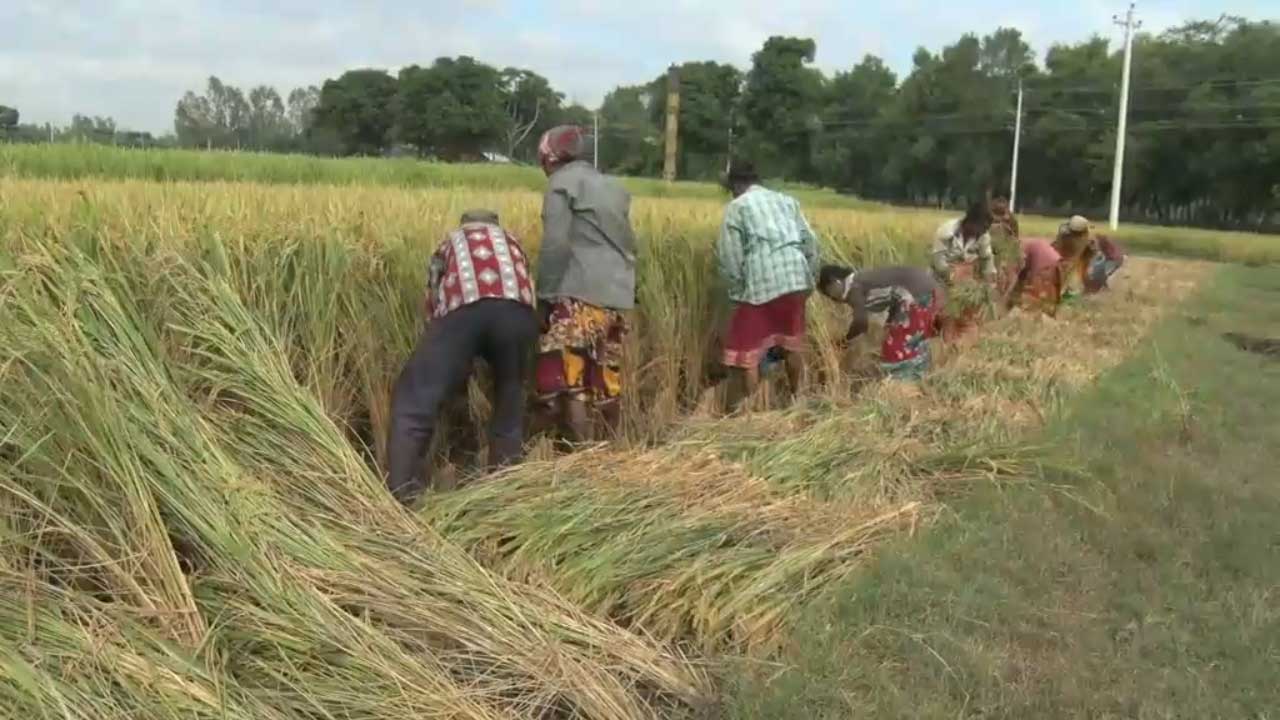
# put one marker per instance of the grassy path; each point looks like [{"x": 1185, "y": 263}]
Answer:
[{"x": 1147, "y": 586}]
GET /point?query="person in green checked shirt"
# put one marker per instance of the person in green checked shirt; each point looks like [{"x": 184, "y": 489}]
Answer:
[{"x": 768, "y": 257}]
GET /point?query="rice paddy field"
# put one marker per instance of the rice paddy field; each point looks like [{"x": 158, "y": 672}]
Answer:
[{"x": 195, "y": 368}]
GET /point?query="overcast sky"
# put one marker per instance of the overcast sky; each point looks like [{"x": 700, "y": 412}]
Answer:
[{"x": 133, "y": 59}]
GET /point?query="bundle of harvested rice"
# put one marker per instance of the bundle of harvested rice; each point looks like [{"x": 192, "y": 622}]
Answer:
[{"x": 270, "y": 559}]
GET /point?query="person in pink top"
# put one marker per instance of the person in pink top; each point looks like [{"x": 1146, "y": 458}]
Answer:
[{"x": 1039, "y": 279}]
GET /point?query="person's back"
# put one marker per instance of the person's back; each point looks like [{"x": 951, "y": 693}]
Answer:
[
  {"x": 1038, "y": 255},
  {"x": 910, "y": 298},
  {"x": 589, "y": 249},
  {"x": 878, "y": 284},
  {"x": 479, "y": 304},
  {"x": 767, "y": 255},
  {"x": 776, "y": 244}
]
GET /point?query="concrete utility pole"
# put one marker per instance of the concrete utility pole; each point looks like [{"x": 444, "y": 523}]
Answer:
[
  {"x": 1117, "y": 178},
  {"x": 595, "y": 139},
  {"x": 673, "y": 120},
  {"x": 1017, "y": 142}
]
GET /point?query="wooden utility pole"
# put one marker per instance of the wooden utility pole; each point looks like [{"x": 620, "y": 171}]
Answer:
[{"x": 673, "y": 120}]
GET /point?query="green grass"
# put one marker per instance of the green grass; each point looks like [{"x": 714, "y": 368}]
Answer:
[{"x": 1144, "y": 588}]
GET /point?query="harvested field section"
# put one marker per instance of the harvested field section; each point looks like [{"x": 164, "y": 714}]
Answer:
[
  {"x": 174, "y": 486},
  {"x": 719, "y": 534}
]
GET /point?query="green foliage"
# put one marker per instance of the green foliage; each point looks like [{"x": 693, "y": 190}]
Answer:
[
  {"x": 631, "y": 141},
  {"x": 1204, "y": 144},
  {"x": 782, "y": 102},
  {"x": 453, "y": 109},
  {"x": 851, "y": 142},
  {"x": 709, "y": 97},
  {"x": 358, "y": 109}
]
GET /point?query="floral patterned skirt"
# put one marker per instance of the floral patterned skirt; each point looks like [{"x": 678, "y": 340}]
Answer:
[
  {"x": 904, "y": 354},
  {"x": 580, "y": 353}
]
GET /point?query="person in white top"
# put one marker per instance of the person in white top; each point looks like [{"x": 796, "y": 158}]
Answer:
[{"x": 962, "y": 247}]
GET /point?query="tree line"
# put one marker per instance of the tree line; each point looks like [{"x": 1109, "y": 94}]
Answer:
[
  {"x": 1203, "y": 144},
  {"x": 83, "y": 128},
  {"x": 1203, "y": 137}
]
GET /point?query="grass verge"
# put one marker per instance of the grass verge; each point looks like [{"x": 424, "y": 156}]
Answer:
[{"x": 1145, "y": 587}]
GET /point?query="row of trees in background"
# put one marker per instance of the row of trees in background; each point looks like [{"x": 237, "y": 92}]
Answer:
[
  {"x": 454, "y": 109},
  {"x": 83, "y": 128},
  {"x": 1204, "y": 143},
  {"x": 226, "y": 117},
  {"x": 1204, "y": 132}
]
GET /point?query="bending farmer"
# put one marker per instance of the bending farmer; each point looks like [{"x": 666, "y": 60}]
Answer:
[
  {"x": 1107, "y": 259},
  {"x": 1038, "y": 279},
  {"x": 911, "y": 299},
  {"x": 1075, "y": 243},
  {"x": 479, "y": 302},
  {"x": 768, "y": 256},
  {"x": 962, "y": 247},
  {"x": 586, "y": 284}
]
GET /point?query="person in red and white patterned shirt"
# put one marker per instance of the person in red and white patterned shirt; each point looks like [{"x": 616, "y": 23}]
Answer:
[
  {"x": 479, "y": 302},
  {"x": 477, "y": 261}
]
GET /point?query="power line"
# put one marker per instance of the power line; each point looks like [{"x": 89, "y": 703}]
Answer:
[
  {"x": 1111, "y": 88},
  {"x": 1141, "y": 126}
]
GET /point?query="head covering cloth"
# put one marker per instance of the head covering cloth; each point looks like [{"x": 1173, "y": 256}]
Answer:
[{"x": 561, "y": 145}]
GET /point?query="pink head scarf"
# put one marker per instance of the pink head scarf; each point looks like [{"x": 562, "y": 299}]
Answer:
[{"x": 560, "y": 145}]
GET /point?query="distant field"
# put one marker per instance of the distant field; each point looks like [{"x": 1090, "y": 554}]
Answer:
[
  {"x": 75, "y": 162},
  {"x": 79, "y": 162}
]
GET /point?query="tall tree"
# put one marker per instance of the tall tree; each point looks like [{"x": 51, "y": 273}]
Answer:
[
  {"x": 230, "y": 112},
  {"x": 220, "y": 118},
  {"x": 709, "y": 119},
  {"x": 268, "y": 126},
  {"x": 8, "y": 120},
  {"x": 1005, "y": 55},
  {"x": 301, "y": 108},
  {"x": 782, "y": 102},
  {"x": 532, "y": 106},
  {"x": 358, "y": 109},
  {"x": 629, "y": 138},
  {"x": 193, "y": 121},
  {"x": 1067, "y": 159},
  {"x": 454, "y": 109},
  {"x": 87, "y": 129},
  {"x": 852, "y": 149}
]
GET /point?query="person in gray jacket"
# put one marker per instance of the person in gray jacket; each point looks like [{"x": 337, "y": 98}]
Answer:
[{"x": 586, "y": 285}]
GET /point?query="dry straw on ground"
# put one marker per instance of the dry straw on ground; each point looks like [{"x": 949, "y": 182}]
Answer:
[{"x": 718, "y": 534}]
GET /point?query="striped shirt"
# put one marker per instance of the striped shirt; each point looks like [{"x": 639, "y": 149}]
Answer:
[
  {"x": 475, "y": 262},
  {"x": 766, "y": 247}
]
